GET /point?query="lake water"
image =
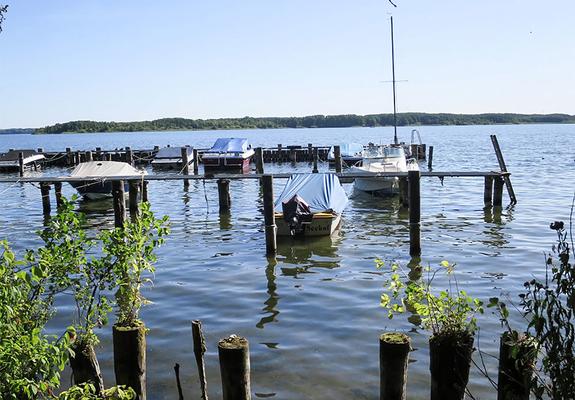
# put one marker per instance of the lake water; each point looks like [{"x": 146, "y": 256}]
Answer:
[{"x": 312, "y": 313}]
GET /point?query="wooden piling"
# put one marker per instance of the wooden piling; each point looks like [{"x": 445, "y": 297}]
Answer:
[
  {"x": 449, "y": 363},
  {"x": 269, "y": 216},
  {"x": 315, "y": 159},
  {"x": 259, "y": 159},
  {"x": 133, "y": 186},
  {"x": 78, "y": 157},
  {"x": 118, "y": 193},
  {"x": 196, "y": 161},
  {"x": 414, "y": 214},
  {"x": 85, "y": 366},
  {"x": 145, "y": 191},
  {"x": 279, "y": 154},
  {"x": 98, "y": 153},
  {"x": 498, "y": 184},
  {"x": 185, "y": 166},
  {"x": 488, "y": 191},
  {"x": 69, "y": 160},
  {"x": 430, "y": 159},
  {"x": 199, "y": 350},
  {"x": 45, "y": 191},
  {"x": 394, "y": 351},
  {"x": 503, "y": 168},
  {"x": 129, "y": 156},
  {"x": 234, "y": 355},
  {"x": 88, "y": 156},
  {"x": 21, "y": 163},
  {"x": 337, "y": 156},
  {"x": 58, "y": 193},
  {"x": 292, "y": 155},
  {"x": 130, "y": 358},
  {"x": 108, "y": 156},
  {"x": 224, "y": 195},
  {"x": 310, "y": 151},
  {"x": 517, "y": 353}
]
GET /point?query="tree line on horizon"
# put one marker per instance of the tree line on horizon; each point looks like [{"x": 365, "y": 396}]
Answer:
[{"x": 312, "y": 121}]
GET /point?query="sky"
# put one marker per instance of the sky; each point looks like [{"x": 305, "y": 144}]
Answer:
[{"x": 131, "y": 60}]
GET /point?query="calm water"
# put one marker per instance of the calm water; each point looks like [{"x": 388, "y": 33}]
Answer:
[{"x": 312, "y": 313}]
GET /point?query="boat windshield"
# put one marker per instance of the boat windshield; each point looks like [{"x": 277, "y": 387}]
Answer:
[{"x": 393, "y": 152}]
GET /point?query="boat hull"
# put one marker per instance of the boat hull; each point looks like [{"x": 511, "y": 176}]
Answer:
[
  {"x": 322, "y": 224},
  {"x": 170, "y": 165},
  {"x": 95, "y": 190},
  {"x": 226, "y": 164},
  {"x": 377, "y": 185}
]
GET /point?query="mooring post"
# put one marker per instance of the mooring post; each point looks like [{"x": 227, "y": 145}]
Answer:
[
  {"x": 224, "y": 195},
  {"x": 45, "y": 191},
  {"x": 98, "y": 153},
  {"x": 185, "y": 165},
  {"x": 199, "y": 350},
  {"x": 145, "y": 191},
  {"x": 68, "y": 156},
  {"x": 234, "y": 354},
  {"x": 118, "y": 192},
  {"x": 269, "y": 217},
  {"x": 315, "y": 158},
  {"x": 292, "y": 155},
  {"x": 488, "y": 191},
  {"x": 309, "y": 151},
  {"x": 78, "y": 157},
  {"x": 21, "y": 163},
  {"x": 88, "y": 156},
  {"x": 108, "y": 156},
  {"x": 394, "y": 351},
  {"x": 130, "y": 358},
  {"x": 337, "y": 156},
  {"x": 129, "y": 155},
  {"x": 279, "y": 155},
  {"x": 430, "y": 159},
  {"x": 58, "y": 193},
  {"x": 517, "y": 354},
  {"x": 133, "y": 186},
  {"x": 498, "y": 184},
  {"x": 414, "y": 213},
  {"x": 259, "y": 158},
  {"x": 196, "y": 161}
]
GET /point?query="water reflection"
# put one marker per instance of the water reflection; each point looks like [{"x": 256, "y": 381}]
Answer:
[
  {"x": 225, "y": 221},
  {"x": 270, "y": 305},
  {"x": 316, "y": 252}
]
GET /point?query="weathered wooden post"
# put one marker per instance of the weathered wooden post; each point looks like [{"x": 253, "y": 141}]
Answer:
[
  {"x": 279, "y": 155},
  {"x": 45, "y": 191},
  {"x": 403, "y": 192},
  {"x": 315, "y": 158},
  {"x": 130, "y": 358},
  {"x": 337, "y": 156},
  {"x": 88, "y": 156},
  {"x": 488, "y": 191},
  {"x": 196, "y": 161},
  {"x": 199, "y": 350},
  {"x": 108, "y": 156},
  {"x": 259, "y": 158},
  {"x": 145, "y": 191},
  {"x": 292, "y": 155},
  {"x": 58, "y": 193},
  {"x": 98, "y": 153},
  {"x": 224, "y": 195},
  {"x": 69, "y": 160},
  {"x": 269, "y": 217},
  {"x": 234, "y": 354},
  {"x": 498, "y": 184},
  {"x": 21, "y": 163},
  {"x": 394, "y": 351},
  {"x": 414, "y": 213},
  {"x": 430, "y": 159},
  {"x": 78, "y": 157},
  {"x": 517, "y": 353},
  {"x": 133, "y": 187},
  {"x": 309, "y": 151},
  {"x": 118, "y": 193},
  {"x": 129, "y": 156},
  {"x": 185, "y": 165}
]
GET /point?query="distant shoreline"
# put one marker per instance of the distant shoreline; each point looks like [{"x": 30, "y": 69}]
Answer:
[{"x": 312, "y": 121}]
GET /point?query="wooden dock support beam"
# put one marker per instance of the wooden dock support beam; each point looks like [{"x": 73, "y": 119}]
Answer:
[
  {"x": 118, "y": 192},
  {"x": 185, "y": 166},
  {"x": 430, "y": 159},
  {"x": 503, "y": 168},
  {"x": 130, "y": 358},
  {"x": 393, "y": 359},
  {"x": 224, "y": 195},
  {"x": 315, "y": 158},
  {"x": 414, "y": 214},
  {"x": 498, "y": 184},
  {"x": 234, "y": 354},
  {"x": 337, "y": 156},
  {"x": 516, "y": 365},
  {"x": 58, "y": 193},
  {"x": 134, "y": 187},
  {"x": 488, "y": 191},
  {"x": 88, "y": 156},
  {"x": 145, "y": 191},
  {"x": 196, "y": 161},
  {"x": 21, "y": 163},
  {"x": 259, "y": 159},
  {"x": 269, "y": 216},
  {"x": 69, "y": 160},
  {"x": 45, "y": 191},
  {"x": 129, "y": 156}
]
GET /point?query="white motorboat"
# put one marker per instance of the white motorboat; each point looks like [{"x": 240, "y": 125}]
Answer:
[
  {"x": 98, "y": 187},
  {"x": 10, "y": 161},
  {"x": 228, "y": 154},
  {"x": 171, "y": 158}
]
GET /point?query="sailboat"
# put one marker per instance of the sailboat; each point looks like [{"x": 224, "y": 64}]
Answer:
[{"x": 384, "y": 159}]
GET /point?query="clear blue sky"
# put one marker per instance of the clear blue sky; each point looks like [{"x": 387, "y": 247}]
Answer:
[{"x": 139, "y": 59}]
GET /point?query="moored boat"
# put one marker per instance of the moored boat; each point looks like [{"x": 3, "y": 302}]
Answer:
[
  {"x": 351, "y": 154},
  {"x": 228, "y": 155},
  {"x": 171, "y": 158},
  {"x": 310, "y": 205},
  {"x": 101, "y": 188},
  {"x": 10, "y": 161}
]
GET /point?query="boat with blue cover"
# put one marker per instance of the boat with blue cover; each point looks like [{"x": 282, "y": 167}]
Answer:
[{"x": 228, "y": 155}]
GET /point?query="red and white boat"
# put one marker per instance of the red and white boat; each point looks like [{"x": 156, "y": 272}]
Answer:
[{"x": 228, "y": 155}]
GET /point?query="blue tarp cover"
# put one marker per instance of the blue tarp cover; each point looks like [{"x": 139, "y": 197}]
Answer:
[
  {"x": 229, "y": 145},
  {"x": 322, "y": 192},
  {"x": 348, "y": 150}
]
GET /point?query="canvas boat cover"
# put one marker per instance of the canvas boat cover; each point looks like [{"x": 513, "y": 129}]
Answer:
[
  {"x": 322, "y": 192},
  {"x": 229, "y": 145},
  {"x": 171, "y": 152},
  {"x": 348, "y": 150},
  {"x": 105, "y": 168}
]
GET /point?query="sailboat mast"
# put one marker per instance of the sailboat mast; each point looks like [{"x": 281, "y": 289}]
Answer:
[{"x": 395, "y": 141}]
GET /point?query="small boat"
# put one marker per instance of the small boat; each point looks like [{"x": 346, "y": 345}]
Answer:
[
  {"x": 310, "y": 205},
  {"x": 351, "y": 154},
  {"x": 9, "y": 161},
  {"x": 171, "y": 158},
  {"x": 382, "y": 159},
  {"x": 100, "y": 189},
  {"x": 228, "y": 154}
]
